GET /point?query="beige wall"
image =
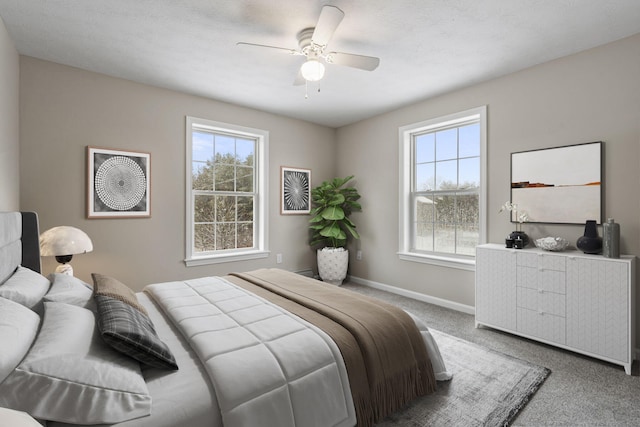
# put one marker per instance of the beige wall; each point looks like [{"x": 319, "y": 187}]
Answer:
[
  {"x": 9, "y": 123},
  {"x": 64, "y": 109},
  {"x": 591, "y": 96}
]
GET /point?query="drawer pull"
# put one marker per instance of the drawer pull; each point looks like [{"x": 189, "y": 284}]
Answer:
[
  {"x": 541, "y": 313},
  {"x": 541, "y": 291}
]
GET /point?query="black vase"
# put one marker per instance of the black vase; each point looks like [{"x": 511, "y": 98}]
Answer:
[
  {"x": 515, "y": 235},
  {"x": 591, "y": 242}
]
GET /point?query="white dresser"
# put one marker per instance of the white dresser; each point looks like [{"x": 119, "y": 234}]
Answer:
[{"x": 584, "y": 303}]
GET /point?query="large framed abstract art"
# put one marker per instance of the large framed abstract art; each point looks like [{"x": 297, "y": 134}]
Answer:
[
  {"x": 295, "y": 196},
  {"x": 118, "y": 183},
  {"x": 561, "y": 185}
]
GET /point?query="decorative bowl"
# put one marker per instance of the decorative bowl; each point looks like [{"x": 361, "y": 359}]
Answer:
[{"x": 555, "y": 244}]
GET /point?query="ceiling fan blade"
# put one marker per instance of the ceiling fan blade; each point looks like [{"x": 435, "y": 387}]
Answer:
[
  {"x": 330, "y": 18},
  {"x": 362, "y": 62},
  {"x": 282, "y": 49}
]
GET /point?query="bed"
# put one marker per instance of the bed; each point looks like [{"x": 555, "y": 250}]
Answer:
[{"x": 265, "y": 347}]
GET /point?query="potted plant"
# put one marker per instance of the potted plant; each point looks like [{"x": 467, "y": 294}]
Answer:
[{"x": 331, "y": 228}]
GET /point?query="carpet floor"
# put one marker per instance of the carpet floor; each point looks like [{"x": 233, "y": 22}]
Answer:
[{"x": 580, "y": 391}]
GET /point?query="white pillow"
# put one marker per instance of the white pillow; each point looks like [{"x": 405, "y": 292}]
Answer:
[
  {"x": 18, "y": 329},
  {"x": 71, "y": 375},
  {"x": 9, "y": 417},
  {"x": 25, "y": 287},
  {"x": 70, "y": 290}
]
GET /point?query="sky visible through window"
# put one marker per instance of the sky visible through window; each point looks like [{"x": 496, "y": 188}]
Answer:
[{"x": 203, "y": 146}]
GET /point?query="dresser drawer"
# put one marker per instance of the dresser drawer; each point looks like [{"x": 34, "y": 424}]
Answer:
[
  {"x": 546, "y": 280},
  {"x": 552, "y": 262},
  {"x": 545, "y": 326},
  {"x": 542, "y": 301},
  {"x": 542, "y": 261}
]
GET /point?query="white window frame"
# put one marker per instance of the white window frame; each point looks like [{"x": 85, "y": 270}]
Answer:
[
  {"x": 405, "y": 251},
  {"x": 261, "y": 211}
]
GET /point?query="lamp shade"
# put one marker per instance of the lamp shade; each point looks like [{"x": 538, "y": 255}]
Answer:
[
  {"x": 64, "y": 240},
  {"x": 312, "y": 70}
]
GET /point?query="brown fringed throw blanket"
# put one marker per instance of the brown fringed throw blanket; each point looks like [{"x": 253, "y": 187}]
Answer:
[{"x": 384, "y": 353}]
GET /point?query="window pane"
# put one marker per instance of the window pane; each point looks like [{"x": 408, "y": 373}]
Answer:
[
  {"x": 425, "y": 177},
  {"x": 245, "y": 235},
  {"x": 469, "y": 173},
  {"x": 447, "y": 175},
  {"x": 447, "y": 144},
  {"x": 244, "y": 179},
  {"x": 467, "y": 209},
  {"x": 202, "y": 149},
  {"x": 469, "y": 140},
  {"x": 445, "y": 237},
  {"x": 204, "y": 237},
  {"x": 425, "y": 148},
  {"x": 245, "y": 208},
  {"x": 424, "y": 209},
  {"x": 468, "y": 238},
  {"x": 204, "y": 209},
  {"x": 225, "y": 177},
  {"x": 225, "y": 149},
  {"x": 245, "y": 151},
  {"x": 446, "y": 209},
  {"x": 424, "y": 236},
  {"x": 225, "y": 208},
  {"x": 225, "y": 236},
  {"x": 202, "y": 176}
]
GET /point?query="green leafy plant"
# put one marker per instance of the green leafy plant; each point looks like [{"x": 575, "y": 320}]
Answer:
[{"x": 333, "y": 203}]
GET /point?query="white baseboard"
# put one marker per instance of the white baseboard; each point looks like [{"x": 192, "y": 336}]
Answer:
[{"x": 415, "y": 295}]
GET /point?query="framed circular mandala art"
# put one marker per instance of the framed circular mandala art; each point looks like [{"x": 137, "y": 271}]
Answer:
[
  {"x": 295, "y": 191},
  {"x": 118, "y": 183}
]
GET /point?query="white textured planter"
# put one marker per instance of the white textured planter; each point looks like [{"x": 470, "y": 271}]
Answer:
[{"x": 332, "y": 266}]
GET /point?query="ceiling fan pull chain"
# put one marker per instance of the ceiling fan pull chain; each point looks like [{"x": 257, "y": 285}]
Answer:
[{"x": 306, "y": 89}]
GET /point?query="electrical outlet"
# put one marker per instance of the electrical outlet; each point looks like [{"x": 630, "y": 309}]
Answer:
[
  {"x": 359, "y": 255},
  {"x": 278, "y": 258}
]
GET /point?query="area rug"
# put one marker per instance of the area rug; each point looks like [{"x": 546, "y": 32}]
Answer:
[{"x": 488, "y": 388}]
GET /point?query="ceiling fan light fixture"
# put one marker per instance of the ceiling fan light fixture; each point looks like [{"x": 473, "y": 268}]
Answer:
[{"x": 312, "y": 70}]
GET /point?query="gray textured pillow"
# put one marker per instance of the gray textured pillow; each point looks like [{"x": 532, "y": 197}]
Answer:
[
  {"x": 110, "y": 287},
  {"x": 71, "y": 375},
  {"x": 125, "y": 325}
]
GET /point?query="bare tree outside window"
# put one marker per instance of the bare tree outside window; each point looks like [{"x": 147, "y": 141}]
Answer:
[
  {"x": 223, "y": 188},
  {"x": 446, "y": 190}
]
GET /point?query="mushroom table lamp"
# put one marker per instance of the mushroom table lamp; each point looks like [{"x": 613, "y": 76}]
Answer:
[{"x": 63, "y": 242}]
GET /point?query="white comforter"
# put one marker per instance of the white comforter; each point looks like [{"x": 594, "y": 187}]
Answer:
[{"x": 268, "y": 367}]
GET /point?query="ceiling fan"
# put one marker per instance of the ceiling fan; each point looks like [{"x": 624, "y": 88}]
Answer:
[{"x": 312, "y": 43}]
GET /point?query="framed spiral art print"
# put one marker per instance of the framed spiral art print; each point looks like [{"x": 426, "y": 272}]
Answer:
[
  {"x": 295, "y": 194},
  {"x": 118, "y": 183}
]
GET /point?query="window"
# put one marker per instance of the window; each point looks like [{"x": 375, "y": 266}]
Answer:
[
  {"x": 442, "y": 167},
  {"x": 226, "y": 192}
]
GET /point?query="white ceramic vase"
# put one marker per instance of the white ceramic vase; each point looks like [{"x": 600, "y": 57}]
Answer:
[{"x": 332, "y": 266}]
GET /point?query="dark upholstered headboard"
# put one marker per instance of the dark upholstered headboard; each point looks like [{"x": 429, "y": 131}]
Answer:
[{"x": 19, "y": 242}]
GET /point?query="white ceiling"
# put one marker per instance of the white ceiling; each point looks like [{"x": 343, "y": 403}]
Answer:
[{"x": 426, "y": 47}]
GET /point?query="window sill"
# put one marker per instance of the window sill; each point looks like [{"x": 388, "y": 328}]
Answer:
[
  {"x": 442, "y": 261},
  {"x": 230, "y": 257}
]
